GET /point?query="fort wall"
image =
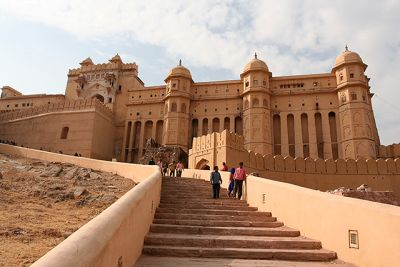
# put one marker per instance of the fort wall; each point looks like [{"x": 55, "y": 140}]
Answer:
[
  {"x": 82, "y": 127},
  {"x": 389, "y": 151},
  {"x": 320, "y": 174},
  {"x": 114, "y": 237},
  {"x": 328, "y": 218}
]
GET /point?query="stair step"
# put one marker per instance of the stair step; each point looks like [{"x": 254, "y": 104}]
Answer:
[
  {"x": 219, "y": 223},
  {"x": 241, "y": 253},
  {"x": 216, "y": 211},
  {"x": 155, "y": 261},
  {"x": 229, "y": 202},
  {"x": 212, "y": 217},
  {"x": 190, "y": 223},
  {"x": 231, "y": 241},
  {"x": 208, "y": 206},
  {"x": 211, "y": 230}
]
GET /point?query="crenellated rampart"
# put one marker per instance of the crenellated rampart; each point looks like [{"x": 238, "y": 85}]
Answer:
[
  {"x": 67, "y": 105},
  {"x": 234, "y": 143},
  {"x": 215, "y": 148},
  {"x": 104, "y": 66},
  {"x": 389, "y": 151}
]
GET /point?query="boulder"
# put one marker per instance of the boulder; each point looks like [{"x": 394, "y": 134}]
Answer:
[{"x": 79, "y": 191}]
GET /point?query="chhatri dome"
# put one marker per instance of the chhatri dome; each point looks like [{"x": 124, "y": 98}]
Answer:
[
  {"x": 179, "y": 71},
  {"x": 255, "y": 65},
  {"x": 348, "y": 57}
]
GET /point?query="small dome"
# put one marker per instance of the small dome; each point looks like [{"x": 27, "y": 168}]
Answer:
[
  {"x": 348, "y": 57},
  {"x": 86, "y": 62},
  {"x": 116, "y": 59},
  {"x": 255, "y": 65},
  {"x": 179, "y": 71}
]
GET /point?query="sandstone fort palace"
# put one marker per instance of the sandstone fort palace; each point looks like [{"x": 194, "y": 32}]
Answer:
[{"x": 107, "y": 112}]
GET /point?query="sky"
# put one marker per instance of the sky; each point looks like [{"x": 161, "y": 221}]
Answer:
[{"x": 42, "y": 39}]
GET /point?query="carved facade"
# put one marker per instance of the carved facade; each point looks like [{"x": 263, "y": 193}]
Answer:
[{"x": 326, "y": 115}]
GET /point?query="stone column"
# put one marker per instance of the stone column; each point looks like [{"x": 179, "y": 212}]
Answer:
[
  {"x": 131, "y": 139},
  {"x": 298, "y": 138},
  {"x": 221, "y": 124},
  {"x": 199, "y": 127},
  {"x": 284, "y": 135},
  {"x": 312, "y": 134},
  {"x": 153, "y": 132},
  {"x": 232, "y": 124},
  {"x": 141, "y": 141},
  {"x": 124, "y": 143},
  {"x": 326, "y": 135}
]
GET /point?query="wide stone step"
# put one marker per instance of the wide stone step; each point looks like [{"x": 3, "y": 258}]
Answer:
[
  {"x": 219, "y": 223},
  {"x": 185, "y": 192},
  {"x": 216, "y": 212},
  {"x": 155, "y": 261},
  {"x": 205, "y": 189},
  {"x": 184, "y": 201},
  {"x": 241, "y": 253},
  {"x": 213, "y": 217},
  {"x": 211, "y": 230},
  {"x": 190, "y": 182},
  {"x": 231, "y": 241},
  {"x": 207, "y": 206},
  {"x": 194, "y": 197}
]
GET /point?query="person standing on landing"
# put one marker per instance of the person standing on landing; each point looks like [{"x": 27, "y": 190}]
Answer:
[
  {"x": 231, "y": 181},
  {"x": 172, "y": 167},
  {"x": 216, "y": 181},
  {"x": 239, "y": 177},
  {"x": 179, "y": 169},
  {"x": 224, "y": 167}
]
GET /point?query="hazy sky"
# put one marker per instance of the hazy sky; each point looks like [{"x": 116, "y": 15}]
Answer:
[{"x": 42, "y": 39}]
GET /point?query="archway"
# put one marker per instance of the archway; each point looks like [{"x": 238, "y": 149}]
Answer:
[
  {"x": 202, "y": 164},
  {"x": 99, "y": 97}
]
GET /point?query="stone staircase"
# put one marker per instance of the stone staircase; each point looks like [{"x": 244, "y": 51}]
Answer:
[{"x": 190, "y": 223}]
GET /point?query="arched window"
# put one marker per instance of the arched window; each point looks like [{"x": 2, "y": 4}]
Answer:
[
  {"x": 174, "y": 107},
  {"x": 183, "y": 108},
  {"x": 166, "y": 108},
  {"x": 99, "y": 97},
  {"x": 265, "y": 103},
  {"x": 64, "y": 133},
  {"x": 256, "y": 103}
]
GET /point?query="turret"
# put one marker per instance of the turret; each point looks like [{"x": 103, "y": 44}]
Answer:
[
  {"x": 256, "y": 106},
  {"x": 176, "y": 110},
  {"x": 358, "y": 130}
]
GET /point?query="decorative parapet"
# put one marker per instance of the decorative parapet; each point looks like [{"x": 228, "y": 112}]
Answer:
[
  {"x": 229, "y": 147},
  {"x": 390, "y": 151},
  {"x": 67, "y": 105},
  {"x": 101, "y": 67}
]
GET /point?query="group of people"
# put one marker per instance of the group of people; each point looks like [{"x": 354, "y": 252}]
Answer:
[
  {"x": 174, "y": 169},
  {"x": 236, "y": 178}
]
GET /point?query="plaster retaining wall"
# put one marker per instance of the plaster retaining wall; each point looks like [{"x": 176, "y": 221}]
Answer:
[
  {"x": 329, "y": 218},
  {"x": 116, "y": 235}
]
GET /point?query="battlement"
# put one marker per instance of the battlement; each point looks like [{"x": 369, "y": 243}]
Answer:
[
  {"x": 228, "y": 147},
  {"x": 102, "y": 67},
  {"x": 67, "y": 105},
  {"x": 213, "y": 140},
  {"x": 390, "y": 151}
]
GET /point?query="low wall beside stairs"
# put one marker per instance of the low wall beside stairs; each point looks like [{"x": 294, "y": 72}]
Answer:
[
  {"x": 328, "y": 218},
  {"x": 115, "y": 237}
]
